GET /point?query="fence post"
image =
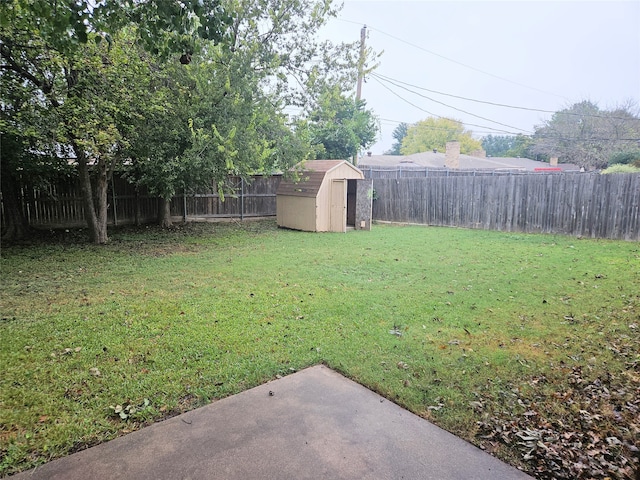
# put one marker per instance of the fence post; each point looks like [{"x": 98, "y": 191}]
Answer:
[
  {"x": 113, "y": 197},
  {"x": 136, "y": 213},
  {"x": 184, "y": 204},
  {"x": 241, "y": 198}
]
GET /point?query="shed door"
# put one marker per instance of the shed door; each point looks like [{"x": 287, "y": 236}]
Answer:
[{"x": 338, "y": 206}]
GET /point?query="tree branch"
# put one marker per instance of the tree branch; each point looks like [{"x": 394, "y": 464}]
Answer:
[{"x": 23, "y": 72}]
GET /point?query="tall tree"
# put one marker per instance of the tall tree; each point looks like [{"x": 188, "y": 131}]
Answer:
[
  {"x": 281, "y": 38},
  {"x": 522, "y": 146},
  {"x": 27, "y": 154},
  {"x": 227, "y": 117},
  {"x": 398, "y": 133},
  {"x": 341, "y": 126},
  {"x": 103, "y": 69},
  {"x": 509, "y": 146},
  {"x": 587, "y": 136},
  {"x": 434, "y": 133},
  {"x": 160, "y": 131},
  {"x": 498, "y": 145},
  {"x": 85, "y": 75}
]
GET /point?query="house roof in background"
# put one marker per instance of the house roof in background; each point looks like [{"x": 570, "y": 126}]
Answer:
[{"x": 467, "y": 162}]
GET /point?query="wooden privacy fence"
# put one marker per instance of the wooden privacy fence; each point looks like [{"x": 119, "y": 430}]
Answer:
[
  {"x": 589, "y": 205},
  {"x": 61, "y": 205},
  {"x": 255, "y": 198}
]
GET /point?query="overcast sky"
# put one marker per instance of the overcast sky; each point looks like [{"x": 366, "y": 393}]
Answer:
[{"x": 534, "y": 54}]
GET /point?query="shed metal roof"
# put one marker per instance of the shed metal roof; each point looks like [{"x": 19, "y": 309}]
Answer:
[{"x": 310, "y": 178}]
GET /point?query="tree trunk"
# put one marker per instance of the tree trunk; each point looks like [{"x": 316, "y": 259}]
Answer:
[
  {"x": 97, "y": 230},
  {"x": 102, "y": 199},
  {"x": 16, "y": 225},
  {"x": 137, "y": 221},
  {"x": 164, "y": 213}
]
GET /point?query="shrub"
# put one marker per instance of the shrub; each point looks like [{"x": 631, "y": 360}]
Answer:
[
  {"x": 631, "y": 157},
  {"x": 621, "y": 168}
]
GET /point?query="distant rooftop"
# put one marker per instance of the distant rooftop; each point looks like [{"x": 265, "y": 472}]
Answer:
[{"x": 467, "y": 162}]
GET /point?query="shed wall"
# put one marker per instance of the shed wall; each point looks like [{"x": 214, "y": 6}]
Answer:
[
  {"x": 300, "y": 206},
  {"x": 296, "y": 212},
  {"x": 323, "y": 221},
  {"x": 323, "y": 211}
]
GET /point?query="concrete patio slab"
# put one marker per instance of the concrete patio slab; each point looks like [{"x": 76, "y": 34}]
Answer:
[{"x": 314, "y": 424}]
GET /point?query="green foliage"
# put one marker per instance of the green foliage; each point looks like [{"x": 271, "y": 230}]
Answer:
[
  {"x": 508, "y": 146},
  {"x": 28, "y": 128},
  {"x": 434, "y": 133},
  {"x": 86, "y": 99},
  {"x": 281, "y": 38},
  {"x": 523, "y": 147},
  {"x": 101, "y": 76},
  {"x": 162, "y": 27},
  {"x": 629, "y": 157},
  {"x": 214, "y": 117},
  {"x": 81, "y": 62},
  {"x": 160, "y": 132},
  {"x": 398, "y": 133},
  {"x": 621, "y": 168},
  {"x": 341, "y": 126},
  {"x": 497, "y": 145}
]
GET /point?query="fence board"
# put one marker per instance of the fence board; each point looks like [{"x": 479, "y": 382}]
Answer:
[
  {"x": 589, "y": 205},
  {"x": 59, "y": 206}
]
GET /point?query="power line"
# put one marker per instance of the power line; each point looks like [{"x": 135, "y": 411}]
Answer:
[
  {"x": 455, "y": 61},
  {"x": 439, "y": 116},
  {"x": 392, "y": 80},
  {"x": 390, "y": 122},
  {"x": 464, "y": 98},
  {"x": 384, "y": 77},
  {"x": 541, "y": 135},
  {"x": 450, "y": 106}
]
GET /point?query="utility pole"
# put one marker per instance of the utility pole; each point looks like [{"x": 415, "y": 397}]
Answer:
[{"x": 363, "y": 36}]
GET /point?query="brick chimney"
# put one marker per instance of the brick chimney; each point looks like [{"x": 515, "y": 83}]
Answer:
[{"x": 452, "y": 155}]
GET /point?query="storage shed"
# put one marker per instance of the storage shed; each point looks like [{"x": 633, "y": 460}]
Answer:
[{"x": 329, "y": 196}]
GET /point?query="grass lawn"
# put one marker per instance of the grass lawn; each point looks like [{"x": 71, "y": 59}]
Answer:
[{"x": 526, "y": 345}]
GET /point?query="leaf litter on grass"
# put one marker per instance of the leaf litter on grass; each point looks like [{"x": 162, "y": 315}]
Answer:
[{"x": 589, "y": 430}]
